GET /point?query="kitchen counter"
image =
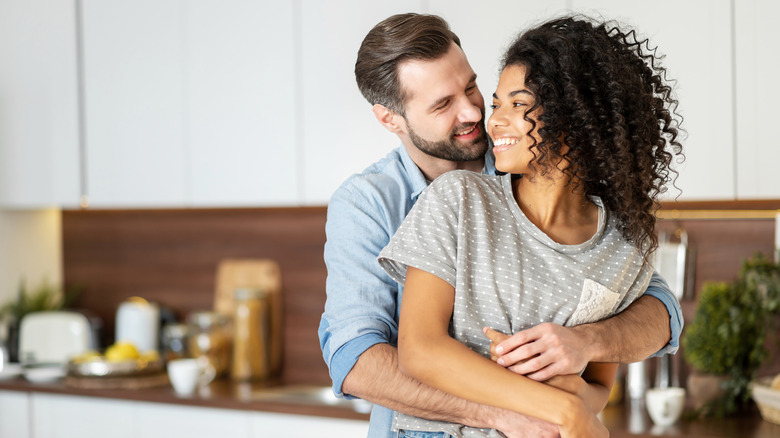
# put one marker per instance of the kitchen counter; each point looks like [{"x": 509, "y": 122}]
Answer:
[
  {"x": 629, "y": 419},
  {"x": 221, "y": 393}
]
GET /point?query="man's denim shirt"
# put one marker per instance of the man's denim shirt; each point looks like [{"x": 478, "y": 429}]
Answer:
[{"x": 363, "y": 302}]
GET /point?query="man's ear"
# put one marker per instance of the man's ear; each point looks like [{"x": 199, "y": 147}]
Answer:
[{"x": 391, "y": 120}]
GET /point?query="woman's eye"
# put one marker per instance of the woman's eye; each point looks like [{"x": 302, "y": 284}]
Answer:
[
  {"x": 493, "y": 107},
  {"x": 518, "y": 104}
]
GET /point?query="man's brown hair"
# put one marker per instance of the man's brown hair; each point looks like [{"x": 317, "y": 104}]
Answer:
[{"x": 399, "y": 38}]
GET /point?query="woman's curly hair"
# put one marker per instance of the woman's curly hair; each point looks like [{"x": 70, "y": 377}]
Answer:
[{"x": 603, "y": 95}]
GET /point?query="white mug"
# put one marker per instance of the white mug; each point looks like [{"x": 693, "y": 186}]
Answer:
[
  {"x": 665, "y": 404},
  {"x": 188, "y": 374}
]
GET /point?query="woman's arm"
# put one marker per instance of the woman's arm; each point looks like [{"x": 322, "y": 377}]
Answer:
[{"x": 427, "y": 353}]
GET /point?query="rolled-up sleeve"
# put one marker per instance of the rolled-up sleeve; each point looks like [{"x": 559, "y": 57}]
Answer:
[
  {"x": 361, "y": 305},
  {"x": 659, "y": 289}
]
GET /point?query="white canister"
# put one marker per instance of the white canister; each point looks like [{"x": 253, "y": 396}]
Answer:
[{"x": 138, "y": 322}]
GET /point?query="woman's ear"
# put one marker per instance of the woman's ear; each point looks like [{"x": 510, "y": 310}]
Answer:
[{"x": 391, "y": 120}]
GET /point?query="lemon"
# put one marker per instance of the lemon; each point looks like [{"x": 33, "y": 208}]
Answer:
[
  {"x": 149, "y": 356},
  {"x": 121, "y": 351}
]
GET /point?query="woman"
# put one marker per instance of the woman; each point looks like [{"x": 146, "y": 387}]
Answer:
[{"x": 583, "y": 125}]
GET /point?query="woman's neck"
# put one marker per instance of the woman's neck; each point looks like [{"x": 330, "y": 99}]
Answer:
[{"x": 557, "y": 207}]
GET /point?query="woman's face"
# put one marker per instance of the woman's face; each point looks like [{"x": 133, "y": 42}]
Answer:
[{"x": 507, "y": 125}]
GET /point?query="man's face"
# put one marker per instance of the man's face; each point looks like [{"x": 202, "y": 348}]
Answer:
[{"x": 445, "y": 112}]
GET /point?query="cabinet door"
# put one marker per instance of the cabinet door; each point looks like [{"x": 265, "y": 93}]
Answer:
[
  {"x": 134, "y": 102},
  {"x": 757, "y": 62},
  {"x": 14, "y": 414},
  {"x": 241, "y": 130},
  {"x": 155, "y": 420},
  {"x": 298, "y": 426},
  {"x": 39, "y": 123},
  {"x": 696, "y": 39},
  {"x": 340, "y": 134},
  {"x": 65, "y": 416}
]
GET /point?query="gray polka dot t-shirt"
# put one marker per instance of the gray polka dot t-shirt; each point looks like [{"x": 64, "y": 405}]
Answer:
[{"x": 468, "y": 230}]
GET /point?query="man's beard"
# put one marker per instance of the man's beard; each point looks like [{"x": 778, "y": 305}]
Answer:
[{"x": 450, "y": 148}]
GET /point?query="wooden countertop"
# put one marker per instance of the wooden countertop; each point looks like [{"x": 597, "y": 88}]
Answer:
[{"x": 629, "y": 419}]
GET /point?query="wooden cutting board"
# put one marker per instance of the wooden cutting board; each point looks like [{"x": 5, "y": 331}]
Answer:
[{"x": 254, "y": 273}]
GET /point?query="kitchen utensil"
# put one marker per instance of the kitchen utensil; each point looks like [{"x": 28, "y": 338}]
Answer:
[
  {"x": 665, "y": 404},
  {"x": 209, "y": 336},
  {"x": 767, "y": 399},
  {"x": 263, "y": 274},
  {"x": 138, "y": 322},
  {"x": 188, "y": 374},
  {"x": 52, "y": 337},
  {"x": 175, "y": 341},
  {"x": 105, "y": 368}
]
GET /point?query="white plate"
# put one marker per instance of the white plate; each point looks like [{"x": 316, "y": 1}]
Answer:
[
  {"x": 10, "y": 370},
  {"x": 44, "y": 374}
]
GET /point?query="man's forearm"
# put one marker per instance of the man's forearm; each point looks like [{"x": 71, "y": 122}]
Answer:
[
  {"x": 376, "y": 378},
  {"x": 630, "y": 336}
]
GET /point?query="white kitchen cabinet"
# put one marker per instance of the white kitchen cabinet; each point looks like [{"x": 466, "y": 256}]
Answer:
[
  {"x": 134, "y": 102},
  {"x": 67, "y": 416},
  {"x": 39, "y": 113},
  {"x": 266, "y": 425},
  {"x": 154, "y": 420},
  {"x": 241, "y": 129},
  {"x": 14, "y": 414},
  {"x": 190, "y": 103},
  {"x": 340, "y": 134},
  {"x": 757, "y": 95},
  {"x": 696, "y": 40}
]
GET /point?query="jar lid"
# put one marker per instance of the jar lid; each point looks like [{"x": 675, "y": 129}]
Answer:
[
  {"x": 175, "y": 331},
  {"x": 206, "y": 319},
  {"x": 248, "y": 293}
]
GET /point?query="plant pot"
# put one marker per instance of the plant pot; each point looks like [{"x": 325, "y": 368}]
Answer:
[{"x": 704, "y": 388}]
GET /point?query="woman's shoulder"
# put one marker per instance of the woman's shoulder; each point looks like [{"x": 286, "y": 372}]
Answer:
[{"x": 464, "y": 179}]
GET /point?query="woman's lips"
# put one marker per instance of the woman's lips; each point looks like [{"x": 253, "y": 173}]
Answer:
[{"x": 504, "y": 143}]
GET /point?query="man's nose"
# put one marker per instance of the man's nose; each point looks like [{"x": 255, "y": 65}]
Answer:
[{"x": 470, "y": 112}]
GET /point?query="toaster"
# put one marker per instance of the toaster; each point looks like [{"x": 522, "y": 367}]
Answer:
[{"x": 53, "y": 337}]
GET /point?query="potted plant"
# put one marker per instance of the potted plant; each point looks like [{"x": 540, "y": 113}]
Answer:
[
  {"x": 725, "y": 343},
  {"x": 45, "y": 296}
]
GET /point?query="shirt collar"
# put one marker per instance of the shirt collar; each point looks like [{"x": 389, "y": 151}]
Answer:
[{"x": 417, "y": 179}]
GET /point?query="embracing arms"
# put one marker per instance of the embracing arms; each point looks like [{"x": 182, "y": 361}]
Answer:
[
  {"x": 651, "y": 325},
  {"x": 429, "y": 354}
]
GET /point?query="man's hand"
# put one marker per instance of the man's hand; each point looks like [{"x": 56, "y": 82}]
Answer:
[{"x": 541, "y": 352}]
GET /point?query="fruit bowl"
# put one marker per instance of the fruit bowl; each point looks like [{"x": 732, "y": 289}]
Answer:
[{"x": 101, "y": 367}]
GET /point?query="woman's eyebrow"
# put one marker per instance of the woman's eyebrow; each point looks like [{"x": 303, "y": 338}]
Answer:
[{"x": 514, "y": 93}]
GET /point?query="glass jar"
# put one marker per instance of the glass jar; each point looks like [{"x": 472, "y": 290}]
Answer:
[
  {"x": 251, "y": 360},
  {"x": 210, "y": 336},
  {"x": 174, "y": 341}
]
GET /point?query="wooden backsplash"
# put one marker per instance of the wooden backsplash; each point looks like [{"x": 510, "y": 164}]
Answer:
[{"x": 171, "y": 256}]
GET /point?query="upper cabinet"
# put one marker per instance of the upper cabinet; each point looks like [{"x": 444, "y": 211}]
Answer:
[
  {"x": 242, "y": 103},
  {"x": 39, "y": 113},
  {"x": 757, "y": 92},
  {"x": 189, "y": 103}
]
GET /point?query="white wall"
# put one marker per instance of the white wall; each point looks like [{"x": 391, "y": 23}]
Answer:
[{"x": 31, "y": 248}]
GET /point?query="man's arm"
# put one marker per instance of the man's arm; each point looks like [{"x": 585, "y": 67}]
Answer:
[
  {"x": 651, "y": 324},
  {"x": 376, "y": 378}
]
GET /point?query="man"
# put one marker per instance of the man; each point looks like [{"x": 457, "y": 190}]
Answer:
[{"x": 413, "y": 71}]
